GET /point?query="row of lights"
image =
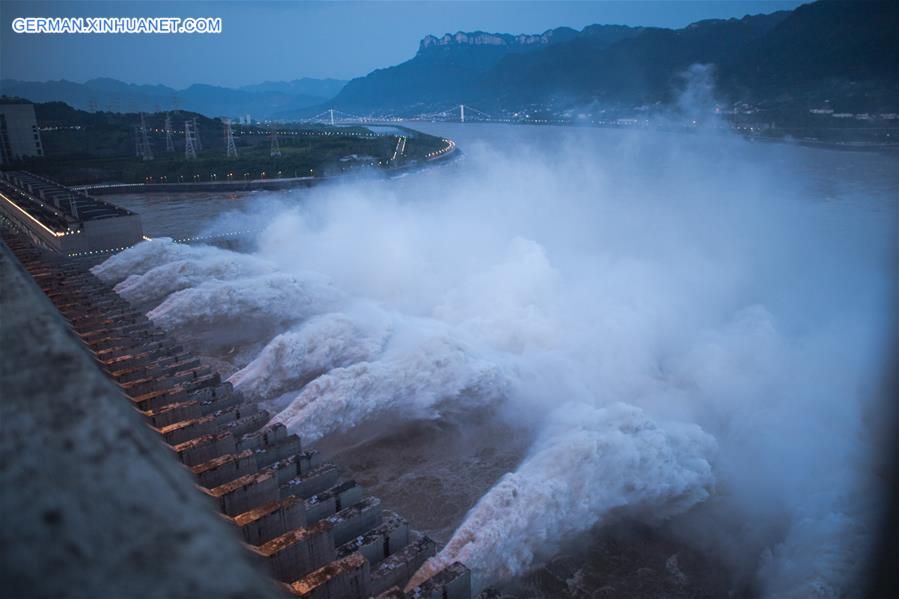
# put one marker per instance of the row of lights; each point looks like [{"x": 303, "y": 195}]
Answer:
[
  {"x": 450, "y": 145},
  {"x": 107, "y": 251},
  {"x": 97, "y": 252},
  {"x": 162, "y": 179},
  {"x": 29, "y": 215},
  {"x": 216, "y": 236}
]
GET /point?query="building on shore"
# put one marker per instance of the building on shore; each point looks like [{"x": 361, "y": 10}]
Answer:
[{"x": 19, "y": 134}]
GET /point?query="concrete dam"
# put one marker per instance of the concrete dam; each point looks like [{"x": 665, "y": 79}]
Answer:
[{"x": 315, "y": 534}]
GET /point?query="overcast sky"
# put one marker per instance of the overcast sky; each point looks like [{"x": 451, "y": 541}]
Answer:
[{"x": 288, "y": 40}]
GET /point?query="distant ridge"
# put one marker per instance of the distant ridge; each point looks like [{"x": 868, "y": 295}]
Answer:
[
  {"x": 843, "y": 52},
  {"x": 260, "y": 101},
  {"x": 480, "y": 38}
]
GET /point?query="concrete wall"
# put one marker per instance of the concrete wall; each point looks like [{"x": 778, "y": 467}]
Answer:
[
  {"x": 21, "y": 130},
  {"x": 94, "y": 505}
]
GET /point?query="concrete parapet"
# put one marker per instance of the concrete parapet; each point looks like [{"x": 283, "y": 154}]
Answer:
[
  {"x": 298, "y": 552},
  {"x": 397, "y": 569},
  {"x": 313, "y": 482},
  {"x": 244, "y": 493},
  {"x": 320, "y": 535},
  {"x": 453, "y": 582},
  {"x": 186, "y": 429},
  {"x": 264, "y": 523},
  {"x": 297, "y": 465},
  {"x": 380, "y": 542},
  {"x": 276, "y": 449},
  {"x": 347, "y": 578},
  {"x": 224, "y": 469},
  {"x": 354, "y": 520},
  {"x": 321, "y": 505},
  {"x": 94, "y": 504},
  {"x": 246, "y": 424},
  {"x": 205, "y": 448},
  {"x": 172, "y": 413}
]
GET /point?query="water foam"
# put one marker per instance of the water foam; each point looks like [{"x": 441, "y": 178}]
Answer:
[
  {"x": 587, "y": 463},
  {"x": 422, "y": 366},
  {"x": 198, "y": 265},
  {"x": 319, "y": 345},
  {"x": 709, "y": 288},
  {"x": 272, "y": 298}
]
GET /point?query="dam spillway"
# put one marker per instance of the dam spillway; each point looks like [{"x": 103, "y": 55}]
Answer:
[
  {"x": 64, "y": 220},
  {"x": 316, "y": 534}
]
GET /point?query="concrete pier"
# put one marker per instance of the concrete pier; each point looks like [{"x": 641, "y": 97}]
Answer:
[
  {"x": 318, "y": 535},
  {"x": 65, "y": 220}
]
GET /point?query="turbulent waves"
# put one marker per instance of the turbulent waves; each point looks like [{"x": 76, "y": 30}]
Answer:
[
  {"x": 587, "y": 464},
  {"x": 670, "y": 318}
]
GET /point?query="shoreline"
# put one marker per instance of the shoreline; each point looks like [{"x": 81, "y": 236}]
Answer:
[
  {"x": 451, "y": 152},
  {"x": 852, "y": 146}
]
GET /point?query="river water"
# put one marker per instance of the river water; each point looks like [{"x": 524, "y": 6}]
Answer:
[{"x": 665, "y": 347}]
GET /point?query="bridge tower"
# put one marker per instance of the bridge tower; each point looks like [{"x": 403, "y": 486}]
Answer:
[
  {"x": 231, "y": 151},
  {"x": 461, "y": 113},
  {"x": 190, "y": 141},
  {"x": 275, "y": 148},
  {"x": 169, "y": 143},
  {"x": 331, "y": 112}
]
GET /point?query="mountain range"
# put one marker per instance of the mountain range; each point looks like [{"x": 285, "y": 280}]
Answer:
[
  {"x": 843, "y": 52},
  {"x": 835, "y": 53},
  {"x": 260, "y": 100}
]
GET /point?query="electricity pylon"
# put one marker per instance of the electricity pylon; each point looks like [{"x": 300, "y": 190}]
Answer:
[
  {"x": 231, "y": 151},
  {"x": 190, "y": 141}
]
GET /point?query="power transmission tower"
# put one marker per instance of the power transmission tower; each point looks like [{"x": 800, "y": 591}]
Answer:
[
  {"x": 275, "y": 148},
  {"x": 190, "y": 141},
  {"x": 169, "y": 143},
  {"x": 144, "y": 150},
  {"x": 92, "y": 105},
  {"x": 229, "y": 140},
  {"x": 197, "y": 139}
]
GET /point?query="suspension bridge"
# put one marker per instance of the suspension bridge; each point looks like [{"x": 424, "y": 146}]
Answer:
[{"x": 460, "y": 113}]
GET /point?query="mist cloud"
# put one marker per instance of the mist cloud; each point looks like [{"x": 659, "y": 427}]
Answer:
[{"x": 681, "y": 323}]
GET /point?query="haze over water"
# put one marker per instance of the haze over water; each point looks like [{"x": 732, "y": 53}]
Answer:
[{"x": 688, "y": 328}]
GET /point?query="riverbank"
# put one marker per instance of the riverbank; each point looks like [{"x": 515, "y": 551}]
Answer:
[
  {"x": 853, "y": 146},
  {"x": 448, "y": 153}
]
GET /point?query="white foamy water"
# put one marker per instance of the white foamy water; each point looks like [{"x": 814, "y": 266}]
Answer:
[
  {"x": 197, "y": 265},
  {"x": 588, "y": 463},
  {"x": 423, "y": 367},
  {"x": 317, "y": 346},
  {"x": 689, "y": 326}
]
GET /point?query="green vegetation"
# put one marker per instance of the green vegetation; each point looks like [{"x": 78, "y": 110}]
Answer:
[{"x": 82, "y": 147}]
